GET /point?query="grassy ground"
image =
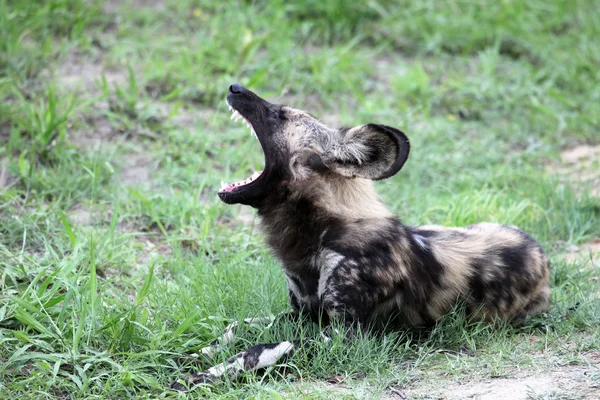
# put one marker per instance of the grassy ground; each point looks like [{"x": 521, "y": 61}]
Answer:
[{"x": 117, "y": 259}]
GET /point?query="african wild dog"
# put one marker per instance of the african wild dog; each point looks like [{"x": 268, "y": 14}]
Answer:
[{"x": 346, "y": 256}]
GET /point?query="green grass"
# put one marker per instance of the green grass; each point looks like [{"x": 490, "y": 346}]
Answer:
[{"x": 117, "y": 259}]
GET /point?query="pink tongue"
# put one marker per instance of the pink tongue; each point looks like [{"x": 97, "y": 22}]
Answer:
[{"x": 227, "y": 188}]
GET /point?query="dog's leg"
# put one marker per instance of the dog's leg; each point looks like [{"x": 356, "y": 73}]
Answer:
[
  {"x": 257, "y": 357},
  {"x": 229, "y": 335},
  {"x": 260, "y": 356}
]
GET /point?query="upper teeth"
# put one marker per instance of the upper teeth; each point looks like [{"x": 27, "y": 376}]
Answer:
[{"x": 235, "y": 115}]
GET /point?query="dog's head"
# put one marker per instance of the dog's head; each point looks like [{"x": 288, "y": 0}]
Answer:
[{"x": 301, "y": 152}]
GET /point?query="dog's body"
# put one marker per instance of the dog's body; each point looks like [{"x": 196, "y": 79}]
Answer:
[
  {"x": 380, "y": 271},
  {"x": 347, "y": 257}
]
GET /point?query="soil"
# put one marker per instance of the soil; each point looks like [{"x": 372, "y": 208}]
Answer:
[
  {"x": 6, "y": 178},
  {"x": 137, "y": 171},
  {"x": 112, "y": 6},
  {"x": 580, "y": 167},
  {"x": 80, "y": 215},
  {"x": 576, "y": 382},
  {"x": 568, "y": 382},
  {"x": 584, "y": 253},
  {"x": 84, "y": 73}
]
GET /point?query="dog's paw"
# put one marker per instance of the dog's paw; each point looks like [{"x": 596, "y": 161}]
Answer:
[
  {"x": 184, "y": 384},
  {"x": 179, "y": 385}
]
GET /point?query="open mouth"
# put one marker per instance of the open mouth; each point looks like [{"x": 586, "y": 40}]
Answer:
[{"x": 231, "y": 187}]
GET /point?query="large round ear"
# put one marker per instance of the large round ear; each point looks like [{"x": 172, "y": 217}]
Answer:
[{"x": 369, "y": 151}]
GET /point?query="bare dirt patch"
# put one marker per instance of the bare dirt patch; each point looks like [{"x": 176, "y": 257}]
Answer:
[
  {"x": 190, "y": 118},
  {"x": 137, "y": 170},
  {"x": 588, "y": 251},
  {"x": 569, "y": 382},
  {"x": 580, "y": 166},
  {"x": 577, "y": 382},
  {"x": 112, "y": 6},
  {"x": 152, "y": 249},
  {"x": 84, "y": 74},
  {"x": 80, "y": 215},
  {"x": 93, "y": 131},
  {"x": 6, "y": 178}
]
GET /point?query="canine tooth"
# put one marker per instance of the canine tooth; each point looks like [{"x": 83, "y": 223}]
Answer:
[{"x": 223, "y": 185}]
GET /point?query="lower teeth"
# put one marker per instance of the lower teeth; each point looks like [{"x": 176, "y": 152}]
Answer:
[{"x": 241, "y": 183}]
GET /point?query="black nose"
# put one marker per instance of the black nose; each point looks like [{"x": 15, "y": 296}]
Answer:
[{"x": 236, "y": 88}]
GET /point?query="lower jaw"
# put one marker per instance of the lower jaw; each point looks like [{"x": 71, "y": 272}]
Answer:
[{"x": 239, "y": 198}]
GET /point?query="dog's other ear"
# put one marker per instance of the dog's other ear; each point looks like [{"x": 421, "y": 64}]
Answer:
[{"x": 369, "y": 151}]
